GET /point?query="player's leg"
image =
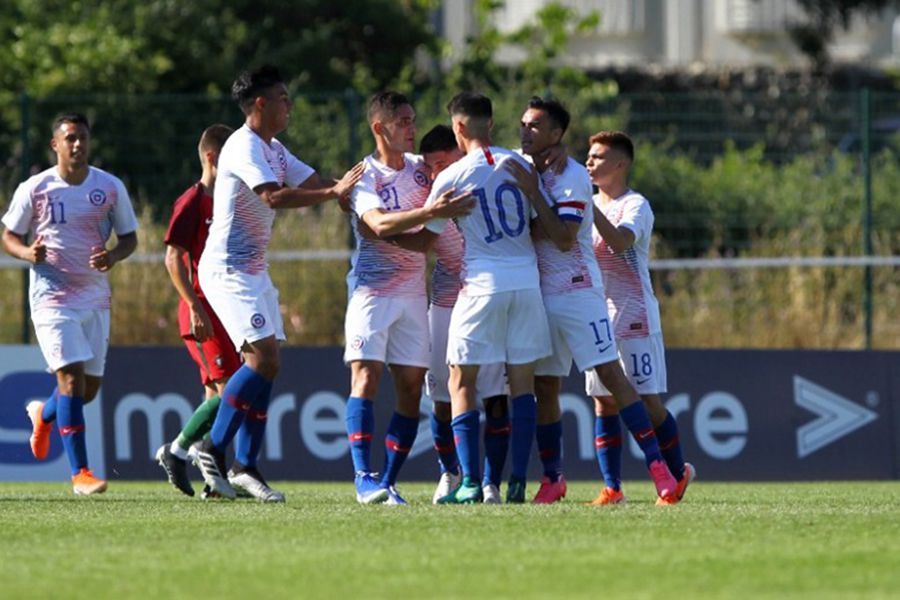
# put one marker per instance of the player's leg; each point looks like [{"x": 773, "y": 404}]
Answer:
[
  {"x": 403, "y": 426},
  {"x": 527, "y": 340},
  {"x": 464, "y": 402},
  {"x": 497, "y": 429},
  {"x": 549, "y": 439},
  {"x": 635, "y": 417},
  {"x": 441, "y": 415},
  {"x": 607, "y": 442}
]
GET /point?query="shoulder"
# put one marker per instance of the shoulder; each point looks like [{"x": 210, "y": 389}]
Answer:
[
  {"x": 38, "y": 181},
  {"x": 637, "y": 200},
  {"x": 105, "y": 177},
  {"x": 192, "y": 195}
]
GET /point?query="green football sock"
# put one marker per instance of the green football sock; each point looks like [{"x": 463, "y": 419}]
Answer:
[{"x": 200, "y": 422}]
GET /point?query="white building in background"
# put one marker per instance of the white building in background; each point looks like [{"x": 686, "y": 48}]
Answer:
[{"x": 687, "y": 32}]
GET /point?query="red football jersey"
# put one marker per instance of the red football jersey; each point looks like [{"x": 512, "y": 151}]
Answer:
[{"x": 188, "y": 229}]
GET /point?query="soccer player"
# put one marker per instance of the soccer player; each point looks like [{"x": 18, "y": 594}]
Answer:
[
  {"x": 71, "y": 210},
  {"x": 256, "y": 176},
  {"x": 624, "y": 223},
  {"x": 200, "y": 328},
  {"x": 499, "y": 315},
  {"x": 439, "y": 150},
  {"x": 572, "y": 288},
  {"x": 386, "y": 321}
]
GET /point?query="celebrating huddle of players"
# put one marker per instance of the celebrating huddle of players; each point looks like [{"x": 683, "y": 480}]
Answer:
[{"x": 533, "y": 271}]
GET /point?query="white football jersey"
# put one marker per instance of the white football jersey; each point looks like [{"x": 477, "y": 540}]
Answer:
[
  {"x": 498, "y": 253},
  {"x": 445, "y": 281},
  {"x": 242, "y": 222},
  {"x": 378, "y": 267},
  {"x": 631, "y": 302},
  {"x": 72, "y": 220},
  {"x": 570, "y": 193}
]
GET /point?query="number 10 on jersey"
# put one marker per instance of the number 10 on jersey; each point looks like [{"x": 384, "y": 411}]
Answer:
[{"x": 493, "y": 233}]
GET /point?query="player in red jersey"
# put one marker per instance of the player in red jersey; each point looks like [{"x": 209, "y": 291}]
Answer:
[{"x": 203, "y": 334}]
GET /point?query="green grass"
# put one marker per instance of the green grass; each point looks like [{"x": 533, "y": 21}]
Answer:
[{"x": 833, "y": 540}]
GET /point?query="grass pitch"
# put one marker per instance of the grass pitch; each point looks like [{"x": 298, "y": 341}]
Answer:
[{"x": 144, "y": 540}]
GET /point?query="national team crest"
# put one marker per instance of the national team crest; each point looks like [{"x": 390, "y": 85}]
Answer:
[
  {"x": 257, "y": 320},
  {"x": 421, "y": 178},
  {"x": 97, "y": 197},
  {"x": 358, "y": 342}
]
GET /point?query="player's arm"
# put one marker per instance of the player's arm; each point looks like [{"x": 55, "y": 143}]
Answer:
[
  {"x": 561, "y": 232},
  {"x": 103, "y": 260},
  {"x": 390, "y": 223},
  {"x": 201, "y": 325},
  {"x": 14, "y": 245},
  {"x": 619, "y": 239},
  {"x": 314, "y": 190}
]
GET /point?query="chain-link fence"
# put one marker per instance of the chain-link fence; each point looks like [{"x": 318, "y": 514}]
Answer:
[{"x": 728, "y": 175}]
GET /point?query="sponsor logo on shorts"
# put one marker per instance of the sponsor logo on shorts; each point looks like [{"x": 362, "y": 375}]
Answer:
[
  {"x": 421, "y": 178},
  {"x": 642, "y": 381},
  {"x": 257, "y": 320},
  {"x": 97, "y": 197},
  {"x": 358, "y": 342}
]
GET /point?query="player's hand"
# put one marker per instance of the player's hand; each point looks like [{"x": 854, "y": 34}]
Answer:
[
  {"x": 349, "y": 179},
  {"x": 526, "y": 178},
  {"x": 556, "y": 157},
  {"x": 448, "y": 206},
  {"x": 101, "y": 259},
  {"x": 37, "y": 251},
  {"x": 201, "y": 325}
]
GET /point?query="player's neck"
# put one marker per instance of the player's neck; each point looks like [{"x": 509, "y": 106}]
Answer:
[
  {"x": 614, "y": 190},
  {"x": 388, "y": 157},
  {"x": 476, "y": 144},
  {"x": 71, "y": 174},
  {"x": 257, "y": 126},
  {"x": 208, "y": 181}
]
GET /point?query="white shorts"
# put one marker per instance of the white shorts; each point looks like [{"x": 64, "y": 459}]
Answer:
[
  {"x": 392, "y": 330},
  {"x": 247, "y": 305},
  {"x": 580, "y": 329},
  {"x": 491, "y": 378},
  {"x": 644, "y": 362},
  {"x": 508, "y": 327},
  {"x": 68, "y": 335}
]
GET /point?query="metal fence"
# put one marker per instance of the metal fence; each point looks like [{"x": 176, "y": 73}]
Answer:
[{"x": 691, "y": 150}]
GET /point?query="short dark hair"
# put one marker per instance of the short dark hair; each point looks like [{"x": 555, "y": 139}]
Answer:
[
  {"x": 554, "y": 109},
  {"x": 440, "y": 139},
  {"x": 617, "y": 140},
  {"x": 71, "y": 117},
  {"x": 251, "y": 84},
  {"x": 385, "y": 105},
  {"x": 214, "y": 136},
  {"x": 472, "y": 105}
]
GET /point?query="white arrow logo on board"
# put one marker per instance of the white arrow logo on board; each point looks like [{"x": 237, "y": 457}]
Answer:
[{"x": 837, "y": 416}]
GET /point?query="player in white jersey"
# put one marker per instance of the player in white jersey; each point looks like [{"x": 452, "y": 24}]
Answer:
[
  {"x": 624, "y": 223},
  {"x": 386, "y": 321},
  {"x": 439, "y": 150},
  {"x": 499, "y": 315},
  {"x": 572, "y": 288},
  {"x": 256, "y": 176},
  {"x": 70, "y": 210}
]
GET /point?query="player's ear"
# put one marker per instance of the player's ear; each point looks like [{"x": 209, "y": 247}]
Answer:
[{"x": 377, "y": 128}]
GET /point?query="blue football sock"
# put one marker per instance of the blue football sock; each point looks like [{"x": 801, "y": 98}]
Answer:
[
  {"x": 252, "y": 431},
  {"x": 48, "y": 413},
  {"x": 496, "y": 447},
  {"x": 465, "y": 433},
  {"x": 608, "y": 444},
  {"x": 638, "y": 423},
  {"x": 670, "y": 446},
  {"x": 70, "y": 420},
  {"x": 360, "y": 421},
  {"x": 549, "y": 443},
  {"x": 398, "y": 441},
  {"x": 524, "y": 416},
  {"x": 237, "y": 398},
  {"x": 442, "y": 432}
]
